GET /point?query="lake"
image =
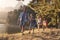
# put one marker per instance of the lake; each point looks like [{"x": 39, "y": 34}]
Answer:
[{"x": 3, "y": 28}]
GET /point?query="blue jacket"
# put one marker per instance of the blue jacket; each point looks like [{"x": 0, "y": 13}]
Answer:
[
  {"x": 21, "y": 14},
  {"x": 25, "y": 17}
]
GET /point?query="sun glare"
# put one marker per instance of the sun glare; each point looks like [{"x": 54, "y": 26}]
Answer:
[
  {"x": 12, "y": 3},
  {"x": 8, "y": 3}
]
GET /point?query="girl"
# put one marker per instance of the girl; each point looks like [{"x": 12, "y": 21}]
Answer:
[
  {"x": 32, "y": 23},
  {"x": 44, "y": 24},
  {"x": 39, "y": 22}
]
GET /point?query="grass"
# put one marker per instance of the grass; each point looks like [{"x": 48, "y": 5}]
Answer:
[{"x": 18, "y": 36}]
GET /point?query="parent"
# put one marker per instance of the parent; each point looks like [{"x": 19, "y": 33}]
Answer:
[{"x": 23, "y": 18}]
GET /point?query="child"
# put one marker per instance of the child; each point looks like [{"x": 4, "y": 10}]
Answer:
[
  {"x": 44, "y": 24},
  {"x": 39, "y": 22}
]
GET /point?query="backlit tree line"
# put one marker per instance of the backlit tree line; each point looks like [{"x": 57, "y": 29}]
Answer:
[{"x": 49, "y": 9}]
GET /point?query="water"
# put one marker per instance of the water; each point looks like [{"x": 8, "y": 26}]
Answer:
[{"x": 3, "y": 28}]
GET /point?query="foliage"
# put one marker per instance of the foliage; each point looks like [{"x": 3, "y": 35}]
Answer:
[
  {"x": 47, "y": 10},
  {"x": 13, "y": 16}
]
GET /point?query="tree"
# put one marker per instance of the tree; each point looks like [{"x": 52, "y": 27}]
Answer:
[
  {"x": 13, "y": 16},
  {"x": 46, "y": 8}
]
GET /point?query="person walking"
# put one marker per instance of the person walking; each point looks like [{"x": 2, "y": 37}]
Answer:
[
  {"x": 39, "y": 22},
  {"x": 32, "y": 23},
  {"x": 44, "y": 24},
  {"x": 23, "y": 19}
]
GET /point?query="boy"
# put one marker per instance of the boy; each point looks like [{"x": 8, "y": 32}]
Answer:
[{"x": 23, "y": 19}]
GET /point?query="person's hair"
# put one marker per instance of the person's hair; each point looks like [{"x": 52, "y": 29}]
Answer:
[{"x": 24, "y": 8}]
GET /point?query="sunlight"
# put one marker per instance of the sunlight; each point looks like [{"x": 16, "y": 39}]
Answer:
[
  {"x": 11, "y": 3},
  {"x": 26, "y": 2},
  {"x": 8, "y": 3}
]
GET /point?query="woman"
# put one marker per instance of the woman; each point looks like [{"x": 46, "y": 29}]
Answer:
[{"x": 32, "y": 23}]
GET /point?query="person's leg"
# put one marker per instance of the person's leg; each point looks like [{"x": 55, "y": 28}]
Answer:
[
  {"x": 33, "y": 25},
  {"x": 22, "y": 30},
  {"x": 38, "y": 27},
  {"x": 33, "y": 30},
  {"x": 46, "y": 27},
  {"x": 20, "y": 26},
  {"x": 23, "y": 23},
  {"x": 43, "y": 28},
  {"x": 30, "y": 28}
]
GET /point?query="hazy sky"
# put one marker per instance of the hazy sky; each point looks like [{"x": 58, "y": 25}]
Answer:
[{"x": 11, "y": 3}]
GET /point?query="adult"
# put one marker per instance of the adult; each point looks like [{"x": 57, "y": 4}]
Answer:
[
  {"x": 32, "y": 23},
  {"x": 23, "y": 19}
]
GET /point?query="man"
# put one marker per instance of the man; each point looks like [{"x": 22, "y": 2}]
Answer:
[{"x": 23, "y": 19}]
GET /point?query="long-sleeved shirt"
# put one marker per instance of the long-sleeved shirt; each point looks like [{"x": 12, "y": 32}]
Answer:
[
  {"x": 25, "y": 17},
  {"x": 21, "y": 15}
]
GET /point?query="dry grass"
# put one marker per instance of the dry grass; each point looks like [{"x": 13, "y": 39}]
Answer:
[{"x": 46, "y": 35}]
